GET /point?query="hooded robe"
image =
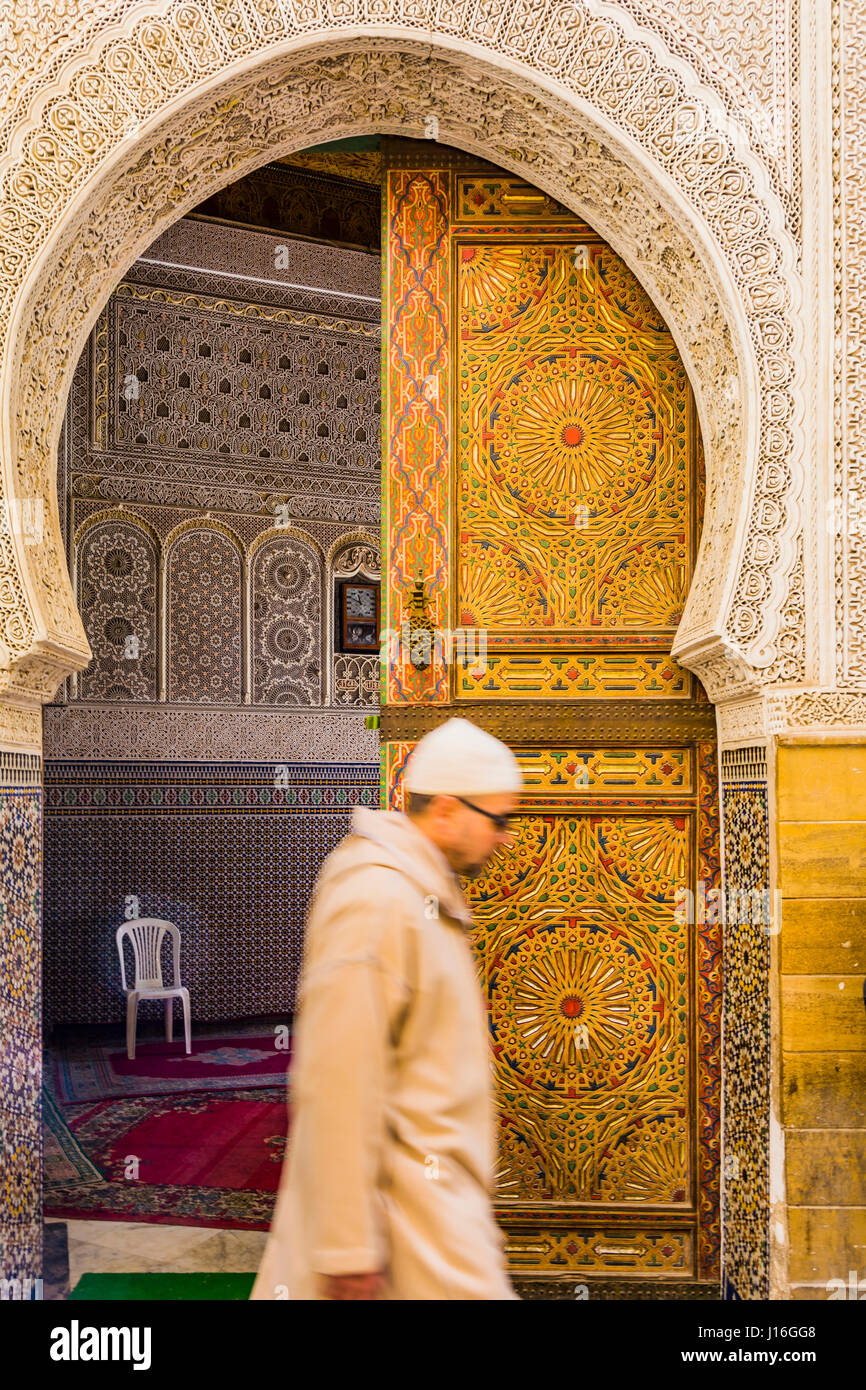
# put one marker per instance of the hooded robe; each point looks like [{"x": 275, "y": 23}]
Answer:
[{"x": 392, "y": 1143}]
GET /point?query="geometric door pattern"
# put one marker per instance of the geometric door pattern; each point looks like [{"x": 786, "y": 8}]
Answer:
[
  {"x": 574, "y": 469},
  {"x": 544, "y": 481},
  {"x": 589, "y": 1008}
]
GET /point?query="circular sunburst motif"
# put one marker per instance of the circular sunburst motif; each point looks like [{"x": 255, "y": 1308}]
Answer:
[
  {"x": 618, "y": 287},
  {"x": 574, "y": 429},
  {"x": 645, "y": 584},
  {"x": 645, "y": 856},
  {"x": 522, "y": 1161},
  {"x": 501, "y": 585},
  {"x": 289, "y": 692},
  {"x": 508, "y": 872},
  {"x": 286, "y": 574},
  {"x": 587, "y": 993},
  {"x": 288, "y": 642},
  {"x": 572, "y": 435},
  {"x": 118, "y": 563},
  {"x": 117, "y": 630},
  {"x": 574, "y": 1011}
]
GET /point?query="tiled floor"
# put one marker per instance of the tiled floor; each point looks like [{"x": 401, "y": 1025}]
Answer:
[{"x": 128, "y": 1247}]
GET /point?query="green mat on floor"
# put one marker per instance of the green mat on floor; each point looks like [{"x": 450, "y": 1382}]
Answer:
[{"x": 134, "y": 1287}]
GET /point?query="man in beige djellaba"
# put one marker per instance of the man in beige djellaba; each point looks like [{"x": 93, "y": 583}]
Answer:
[{"x": 387, "y": 1185}]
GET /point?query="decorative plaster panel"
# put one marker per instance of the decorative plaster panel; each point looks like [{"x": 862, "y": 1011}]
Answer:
[
  {"x": 156, "y": 732},
  {"x": 204, "y": 643},
  {"x": 117, "y": 596},
  {"x": 287, "y": 623},
  {"x": 848, "y": 520},
  {"x": 684, "y": 198}
]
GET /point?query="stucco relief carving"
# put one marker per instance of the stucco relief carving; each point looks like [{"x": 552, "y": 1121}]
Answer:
[
  {"x": 849, "y": 518},
  {"x": 287, "y": 635},
  {"x": 828, "y": 710},
  {"x": 839, "y": 713},
  {"x": 741, "y": 723},
  {"x": 155, "y": 733},
  {"x": 737, "y": 49},
  {"x": 20, "y": 729},
  {"x": 695, "y": 214},
  {"x": 117, "y": 596},
  {"x": 204, "y": 584}
]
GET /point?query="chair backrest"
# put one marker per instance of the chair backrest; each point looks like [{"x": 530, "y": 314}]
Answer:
[{"x": 146, "y": 935}]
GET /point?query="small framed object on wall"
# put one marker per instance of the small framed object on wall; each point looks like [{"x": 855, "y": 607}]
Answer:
[{"x": 358, "y": 615}]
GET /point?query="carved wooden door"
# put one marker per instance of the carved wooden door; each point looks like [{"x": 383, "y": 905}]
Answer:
[{"x": 543, "y": 481}]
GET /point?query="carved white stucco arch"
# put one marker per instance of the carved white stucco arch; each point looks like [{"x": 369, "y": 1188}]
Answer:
[{"x": 174, "y": 100}]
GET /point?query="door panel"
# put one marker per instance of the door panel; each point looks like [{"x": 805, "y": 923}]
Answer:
[
  {"x": 544, "y": 482},
  {"x": 572, "y": 444},
  {"x": 589, "y": 984}
]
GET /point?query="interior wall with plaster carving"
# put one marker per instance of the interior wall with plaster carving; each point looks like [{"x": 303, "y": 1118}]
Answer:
[{"x": 219, "y": 472}]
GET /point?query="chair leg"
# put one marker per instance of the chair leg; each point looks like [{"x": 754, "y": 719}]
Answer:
[
  {"x": 186, "y": 1029},
  {"x": 131, "y": 1019},
  {"x": 169, "y": 1020}
]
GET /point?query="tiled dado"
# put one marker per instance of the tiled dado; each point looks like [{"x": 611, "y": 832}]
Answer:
[
  {"x": 126, "y": 788},
  {"x": 20, "y": 1015},
  {"x": 747, "y": 1056},
  {"x": 227, "y": 851}
]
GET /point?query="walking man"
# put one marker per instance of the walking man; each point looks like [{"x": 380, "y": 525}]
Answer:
[{"x": 386, "y": 1188}]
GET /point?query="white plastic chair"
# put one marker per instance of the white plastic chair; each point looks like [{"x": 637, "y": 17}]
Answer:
[{"x": 146, "y": 935}]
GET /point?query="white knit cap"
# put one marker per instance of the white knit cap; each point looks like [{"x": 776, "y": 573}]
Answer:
[{"x": 459, "y": 759}]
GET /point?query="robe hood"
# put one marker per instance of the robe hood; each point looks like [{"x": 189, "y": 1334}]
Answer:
[{"x": 392, "y": 839}]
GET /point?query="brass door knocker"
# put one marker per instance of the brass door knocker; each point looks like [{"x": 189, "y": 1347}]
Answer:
[{"x": 421, "y": 627}]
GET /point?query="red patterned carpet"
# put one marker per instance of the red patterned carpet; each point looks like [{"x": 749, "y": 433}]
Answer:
[
  {"x": 209, "y": 1159},
  {"x": 81, "y": 1070}
]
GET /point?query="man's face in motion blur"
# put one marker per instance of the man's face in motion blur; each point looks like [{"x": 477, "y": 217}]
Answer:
[{"x": 466, "y": 837}]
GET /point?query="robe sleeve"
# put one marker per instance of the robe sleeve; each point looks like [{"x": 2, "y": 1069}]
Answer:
[{"x": 353, "y": 997}]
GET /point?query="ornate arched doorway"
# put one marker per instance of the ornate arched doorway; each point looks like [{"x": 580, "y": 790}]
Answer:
[{"x": 151, "y": 114}]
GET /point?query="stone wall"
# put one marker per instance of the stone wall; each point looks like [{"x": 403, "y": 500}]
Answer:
[{"x": 822, "y": 873}]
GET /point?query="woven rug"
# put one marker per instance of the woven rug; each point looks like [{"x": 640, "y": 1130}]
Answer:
[
  {"x": 193, "y": 1160},
  {"x": 64, "y": 1159},
  {"x": 89, "y": 1071}
]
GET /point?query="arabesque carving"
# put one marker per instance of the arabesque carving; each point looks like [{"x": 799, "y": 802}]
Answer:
[{"x": 634, "y": 139}]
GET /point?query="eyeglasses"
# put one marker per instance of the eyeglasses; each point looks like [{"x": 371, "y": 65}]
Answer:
[{"x": 506, "y": 822}]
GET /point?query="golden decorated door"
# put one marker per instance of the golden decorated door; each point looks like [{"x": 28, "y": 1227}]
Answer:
[{"x": 543, "y": 493}]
